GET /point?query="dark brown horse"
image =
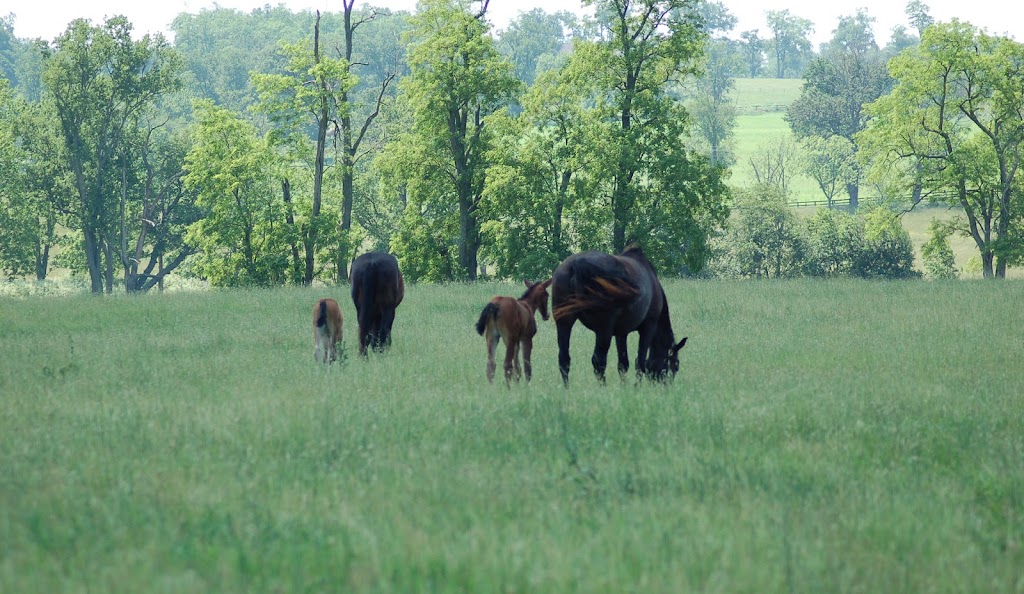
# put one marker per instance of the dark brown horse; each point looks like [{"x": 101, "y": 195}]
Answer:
[
  {"x": 377, "y": 289},
  {"x": 512, "y": 320},
  {"x": 613, "y": 296}
]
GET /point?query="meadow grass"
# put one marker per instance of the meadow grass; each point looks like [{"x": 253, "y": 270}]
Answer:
[{"x": 822, "y": 436}]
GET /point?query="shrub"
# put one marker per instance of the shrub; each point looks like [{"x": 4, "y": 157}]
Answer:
[
  {"x": 936, "y": 254},
  {"x": 887, "y": 251}
]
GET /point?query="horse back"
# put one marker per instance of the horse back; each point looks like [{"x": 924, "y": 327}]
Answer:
[
  {"x": 376, "y": 281},
  {"x": 598, "y": 287}
]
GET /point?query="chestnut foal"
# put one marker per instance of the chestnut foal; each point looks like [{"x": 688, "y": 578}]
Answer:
[
  {"x": 513, "y": 320},
  {"x": 326, "y": 330}
]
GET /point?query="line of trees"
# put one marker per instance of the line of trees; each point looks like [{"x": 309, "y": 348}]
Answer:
[{"x": 267, "y": 148}]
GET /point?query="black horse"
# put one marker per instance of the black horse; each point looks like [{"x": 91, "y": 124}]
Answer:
[
  {"x": 377, "y": 289},
  {"x": 613, "y": 296}
]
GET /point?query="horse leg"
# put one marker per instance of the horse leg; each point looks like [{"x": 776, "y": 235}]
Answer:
[
  {"x": 602, "y": 343},
  {"x": 641, "y": 353},
  {"x": 621, "y": 349},
  {"x": 492, "y": 346},
  {"x": 564, "y": 330},
  {"x": 527, "y": 345},
  {"x": 364, "y": 337},
  {"x": 388, "y": 320}
]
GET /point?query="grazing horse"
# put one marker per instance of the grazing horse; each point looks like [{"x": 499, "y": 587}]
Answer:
[
  {"x": 377, "y": 289},
  {"x": 613, "y": 296},
  {"x": 513, "y": 320},
  {"x": 326, "y": 330}
]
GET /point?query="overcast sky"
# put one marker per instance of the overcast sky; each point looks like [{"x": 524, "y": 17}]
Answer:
[{"x": 48, "y": 18}]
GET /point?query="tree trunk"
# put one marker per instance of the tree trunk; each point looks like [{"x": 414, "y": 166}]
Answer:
[
  {"x": 854, "y": 191},
  {"x": 286, "y": 194},
  {"x": 92, "y": 259}
]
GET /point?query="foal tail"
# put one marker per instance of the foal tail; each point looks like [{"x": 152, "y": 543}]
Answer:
[
  {"x": 321, "y": 319},
  {"x": 490, "y": 312}
]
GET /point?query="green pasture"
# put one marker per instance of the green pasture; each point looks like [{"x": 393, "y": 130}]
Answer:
[{"x": 822, "y": 436}]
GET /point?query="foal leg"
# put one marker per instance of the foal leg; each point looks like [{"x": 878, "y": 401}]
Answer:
[
  {"x": 527, "y": 345},
  {"x": 518, "y": 371},
  {"x": 510, "y": 354},
  {"x": 492, "y": 346}
]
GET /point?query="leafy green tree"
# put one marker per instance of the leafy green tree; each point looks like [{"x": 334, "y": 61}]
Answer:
[
  {"x": 531, "y": 36},
  {"x": 361, "y": 107},
  {"x": 887, "y": 250},
  {"x": 242, "y": 238},
  {"x": 538, "y": 197},
  {"x": 766, "y": 239},
  {"x": 713, "y": 111},
  {"x": 458, "y": 80},
  {"x": 831, "y": 163},
  {"x": 936, "y": 254},
  {"x": 953, "y": 125},
  {"x": 835, "y": 241},
  {"x": 312, "y": 91},
  {"x": 919, "y": 16},
  {"x": 790, "y": 47},
  {"x": 646, "y": 47},
  {"x": 102, "y": 82},
  {"x": 849, "y": 73},
  {"x": 221, "y": 46},
  {"x": 753, "y": 51},
  {"x": 38, "y": 183}
]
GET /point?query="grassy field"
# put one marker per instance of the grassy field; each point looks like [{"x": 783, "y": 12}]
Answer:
[{"x": 823, "y": 436}]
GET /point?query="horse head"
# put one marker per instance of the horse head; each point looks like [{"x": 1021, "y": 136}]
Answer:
[
  {"x": 537, "y": 296},
  {"x": 663, "y": 359}
]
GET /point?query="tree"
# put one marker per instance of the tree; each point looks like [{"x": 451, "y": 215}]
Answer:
[
  {"x": 775, "y": 163},
  {"x": 849, "y": 73},
  {"x": 766, "y": 239},
  {"x": 313, "y": 90},
  {"x": 714, "y": 113},
  {"x": 242, "y": 238},
  {"x": 830, "y": 162},
  {"x": 531, "y": 36},
  {"x": 753, "y": 48},
  {"x": 919, "y": 16},
  {"x": 458, "y": 79},
  {"x": 538, "y": 198},
  {"x": 790, "y": 46},
  {"x": 953, "y": 125},
  {"x": 647, "y": 46},
  {"x": 381, "y": 74},
  {"x": 102, "y": 82}
]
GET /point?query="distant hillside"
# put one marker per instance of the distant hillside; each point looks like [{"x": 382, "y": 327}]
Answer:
[{"x": 765, "y": 95}]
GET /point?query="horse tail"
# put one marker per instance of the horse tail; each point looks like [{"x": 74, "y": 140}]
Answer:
[
  {"x": 321, "y": 319},
  {"x": 594, "y": 287},
  {"x": 490, "y": 312}
]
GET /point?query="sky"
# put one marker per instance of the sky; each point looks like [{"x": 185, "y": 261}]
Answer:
[{"x": 48, "y": 18}]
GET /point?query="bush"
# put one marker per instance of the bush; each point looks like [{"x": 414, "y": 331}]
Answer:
[
  {"x": 767, "y": 239},
  {"x": 939, "y": 262},
  {"x": 887, "y": 251}
]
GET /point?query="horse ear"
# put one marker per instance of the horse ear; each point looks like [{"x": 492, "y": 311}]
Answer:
[
  {"x": 547, "y": 283},
  {"x": 679, "y": 346},
  {"x": 528, "y": 283}
]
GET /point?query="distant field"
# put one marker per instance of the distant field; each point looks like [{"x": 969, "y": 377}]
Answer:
[
  {"x": 766, "y": 94},
  {"x": 823, "y": 436}
]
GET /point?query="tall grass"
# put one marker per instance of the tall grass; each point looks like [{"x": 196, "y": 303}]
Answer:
[{"x": 822, "y": 436}]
